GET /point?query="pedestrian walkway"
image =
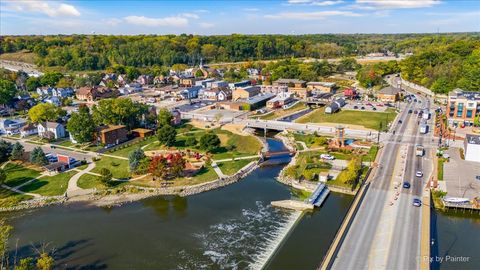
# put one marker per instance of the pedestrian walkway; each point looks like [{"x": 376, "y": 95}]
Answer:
[
  {"x": 237, "y": 158},
  {"x": 21, "y": 192},
  {"x": 217, "y": 170},
  {"x": 73, "y": 189}
]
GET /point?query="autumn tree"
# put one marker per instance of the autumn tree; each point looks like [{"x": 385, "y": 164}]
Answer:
[{"x": 45, "y": 112}]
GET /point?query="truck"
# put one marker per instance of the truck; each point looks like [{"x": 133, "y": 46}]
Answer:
[
  {"x": 423, "y": 129},
  {"x": 419, "y": 150},
  {"x": 426, "y": 115}
]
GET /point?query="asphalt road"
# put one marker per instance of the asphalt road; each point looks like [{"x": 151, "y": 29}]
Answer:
[{"x": 384, "y": 236}]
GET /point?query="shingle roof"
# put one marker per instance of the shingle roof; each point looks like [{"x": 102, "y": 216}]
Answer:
[{"x": 390, "y": 90}]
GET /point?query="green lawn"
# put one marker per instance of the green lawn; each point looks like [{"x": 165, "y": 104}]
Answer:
[
  {"x": 372, "y": 154},
  {"x": 123, "y": 151},
  {"x": 88, "y": 181},
  {"x": 231, "y": 167},
  {"x": 118, "y": 167},
  {"x": 9, "y": 198},
  {"x": 17, "y": 174},
  {"x": 311, "y": 140},
  {"x": 371, "y": 120},
  {"x": 50, "y": 185},
  {"x": 441, "y": 160},
  {"x": 308, "y": 165}
]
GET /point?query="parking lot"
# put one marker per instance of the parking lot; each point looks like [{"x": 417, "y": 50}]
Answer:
[
  {"x": 194, "y": 105},
  {"x": 365, "y": 106},
  {"x": 460, "y": 176}
]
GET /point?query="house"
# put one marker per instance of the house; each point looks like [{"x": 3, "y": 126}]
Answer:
[
  {"x": 241, "y": 84},
  {"x": 472, "y": 147},
  {"x": 389, "y": 94},
  {"x": 205, "y": 83},
  {"x": 44, "y": 91},
  {"x": 258, "y": 101},
  {"x": 112, "y": 135},
  {"x": 91, "y": 94},
  {"x": 191, "y": 92},
  {"x": 145, "y": 79},
  {"x": 187, "y": 80},
  {"x": 321, "y": 87},
  {"x": 177, "y": 117},
  {"x": 350, "y": 93},
  {"x": 462, "y": 107},
  {"x": 142, "y": 132},
  {"x": 280, "y": 100},
  {"x": 62, "y": 92},
  {"x": 28, "y": 130},
  {"x": 217, "y": 94},
  {"x": 245, "y": 92},
  {"x": 11, "y": 127},
  {"x": 335, "y": 105},
  {"x": 53, "y": 100},
  {"x": 274, "y": 89},
  {"x": 51, "y": 130},
  {"x": 295, "y": 86}
]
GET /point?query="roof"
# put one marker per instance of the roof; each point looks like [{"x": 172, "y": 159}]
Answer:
[
  {"x": 289, "y": 81},
  {"x": 249, "y": 89},
  {"x": 55, "y": 166},
  {"x": 111, "y": 128},
  {"x": 50, "y": 124},
  {"x": 259, "y": 98},
  {"x": 28, "y": 127},
  {"x": 472, "y": 139},
  {"x": 142, "y": 130},
  {"x": 326, "y": 84},
  {"x": 390, "y": 90},
  {"x": 84, "y": 90}
]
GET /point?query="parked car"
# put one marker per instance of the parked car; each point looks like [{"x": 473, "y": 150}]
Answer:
[
  {"x": 400, "y": 121},
  {"x": 355, "y": 107},
  {"x": 417, "y": 202},
  {"x": 327, "y": 157},
  {"x": 373, "y": 108},
  {"x": 363, "y": 108},
  {"x": 419, "y": 174},
  {"x": 406, "y": 185},
  {"x": 410, "y": 111}
]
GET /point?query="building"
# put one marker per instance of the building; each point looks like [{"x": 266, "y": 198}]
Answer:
[
  {"x": 142, "y": 132},
  {"x": 191, "y": 92},
  {"x": 91, "y": 94},
  {"x": 205, "y": 83},
  {"x": 462, "y": 107},
  {"x": 187, "y": 81},
  {"x": 51, "y": 130},
  {"x": 389, "y": 94},
  {"x": 11, "y": 127},
  {"x": 63, "y": 92},
  {"x": 274, "y": 89},
  {"x": 245, "y": 92},
  {"x": 177, "y": 117},
  {"x": 241, "y": 84},
  {"x": 112, "y": 135},
  {"x": 472, "y": 147},
  {"x": 295, "y": 86},
  {"x": 217, "y": 94},
  {"x": 279, "y": 100},
  {"x": 28, "y": 130},
  {"x": 321, "y": 87},
  {"x": 350, "y": 93},
  {"x": 256, "y": 102}
]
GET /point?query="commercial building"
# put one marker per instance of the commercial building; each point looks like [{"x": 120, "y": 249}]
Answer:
[
  {"x": 472, "y": 147},
  {"x": 112, "y": 135},
  {"x": 295, "y": 86},
  {"x": 462, "y": 107},
  {"x": 321, "y": 87},
  {"x": 389, "y": 94},
  {"x": 279, "y": 100},
  {"x": 245, "y": 92},
  {"x": 142, "y": 132}
]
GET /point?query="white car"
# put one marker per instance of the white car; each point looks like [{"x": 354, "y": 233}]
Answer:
[
  {"x": 327, "y": 157},
  {"x": 419, "y": 174}
]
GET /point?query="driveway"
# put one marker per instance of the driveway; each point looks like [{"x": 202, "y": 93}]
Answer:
[{"x": 460, "y": 176}]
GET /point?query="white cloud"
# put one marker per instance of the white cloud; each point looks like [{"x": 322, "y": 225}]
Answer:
[
  {"x": 112, "y": 21},
  {"x": 175, "y": 21},
  {"x": 201, "y": 11},
  {"x": 395, "y": 4},
  {"x": 251, "y": 9},
  {"x": 190, "y": 15},
  {"x": 206, "y": 25},
  {"x": 318, "y": 15},
  {"x": 315, "y": 2},
  {"x": 45, "y": 7}
]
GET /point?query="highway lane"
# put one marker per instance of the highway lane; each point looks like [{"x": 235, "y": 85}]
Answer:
[{"x": 355, "y": 251}]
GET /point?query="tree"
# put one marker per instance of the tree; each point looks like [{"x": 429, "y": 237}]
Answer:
[
  {"x": 7, "y": 91},
  {"x": 177, "y": 165},
  {"x": 5, "y": 150},
  {"x": 51, "y": 78},
  {"x": 106, "y": 177},
  {"x": 190, "y": 141},
  {"x": 3, "y": 176},
  {"x": 158, "y": 167},
  {"x": 132, "y": 73},
  {"x": 4, "y": 235},
  {"x": 45, "y": 112},
  {"x": 25, "y": 264},
  {"x": 120, "y": 111},
  {"x": 32, "y": 84},
  {"x": 134, "y": 159},
  {"x": 17, "y": 151},
  {"x": 81, "y": 125},
  {"x": 64, "y": 82},
  {"x": 164, "y": 117},
  {"x": 209, "y": 142},
  {"x": 45, "y": 262},
  {"x": 37, "y": 156},
  {"x": 476, "y": 121},
  {"x": 167, "y": 135}
]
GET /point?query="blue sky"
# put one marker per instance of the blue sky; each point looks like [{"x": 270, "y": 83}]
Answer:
[{"x": 20, "y": 17}]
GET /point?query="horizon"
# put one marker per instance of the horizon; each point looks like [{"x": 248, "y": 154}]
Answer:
[{"x": 213, "y": 18}]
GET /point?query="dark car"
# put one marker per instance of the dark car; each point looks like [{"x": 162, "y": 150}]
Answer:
[
  {"x": 363, "y": 108},
  {"x": 374, "y": 108},
  {"x": 417, "y": 202},
  {"x": 410, "y": 111},
  {"x": 355, "y": 107},
  {"x": 406, "y": 185},
  {"x": 400, "y": 121}
]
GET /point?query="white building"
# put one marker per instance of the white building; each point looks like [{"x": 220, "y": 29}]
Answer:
[
  {"x": 472, "y": 147},
  {"x": 51, "y": 130}
]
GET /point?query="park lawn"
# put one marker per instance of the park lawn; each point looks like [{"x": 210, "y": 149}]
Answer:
[
  {"x": 206, "y": 174},
  {"x": 88, "y": 181},
  {"x": 309, "y": 164},
  {"x": 311, "y": 140},
  {"x": 124, "y": 151},
  {"x": 338, "y": 183},
  {"x": 18, "y": 174},
  {"x": 300, "y": 194},
  {"x": 372, "y": 154},
  {"x": 441, "y": 161},
  {"x": 118, "y": 167},
  {"x": 9, "y": 198},
  {"x": 281, "y": 112},
  {"x": 371, "y": 120},
  {"x": 50, "y": 185},
  {"x": 232, "y": 167}
]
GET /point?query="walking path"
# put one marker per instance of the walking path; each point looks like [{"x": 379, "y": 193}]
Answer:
[
  {"x": 21, "y": 192},
  {"x": 73, "y": 189},
  {"x": 217, "y": 170},
  {"x": 237, "y": 158}
]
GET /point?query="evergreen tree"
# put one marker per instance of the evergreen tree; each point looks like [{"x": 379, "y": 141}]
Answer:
[{"x": 17, "y": 151}]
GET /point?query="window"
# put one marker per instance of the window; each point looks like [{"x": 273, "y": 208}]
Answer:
[
  {"x": 460, "y": 110},
  {"x": 469, "y": 113}
]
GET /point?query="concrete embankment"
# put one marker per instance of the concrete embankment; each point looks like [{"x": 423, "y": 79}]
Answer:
[{"x": 293, "y": 205}]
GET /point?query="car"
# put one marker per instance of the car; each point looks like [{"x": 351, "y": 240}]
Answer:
[
  {"x": 419, "y": 174},
  {"x": 355, "y": 107},
  {"x": 327, "y": 157},
  {"x": 363, "y": 108},
  {"x": 477, "y": 177},
  {"x": 374, "y": 108},
  {"x": 410, "y": 111},
  {"x": 400, "y": 121},
  {"x": 417, "y": 202},
  {"x": 406, "y": 185}
]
